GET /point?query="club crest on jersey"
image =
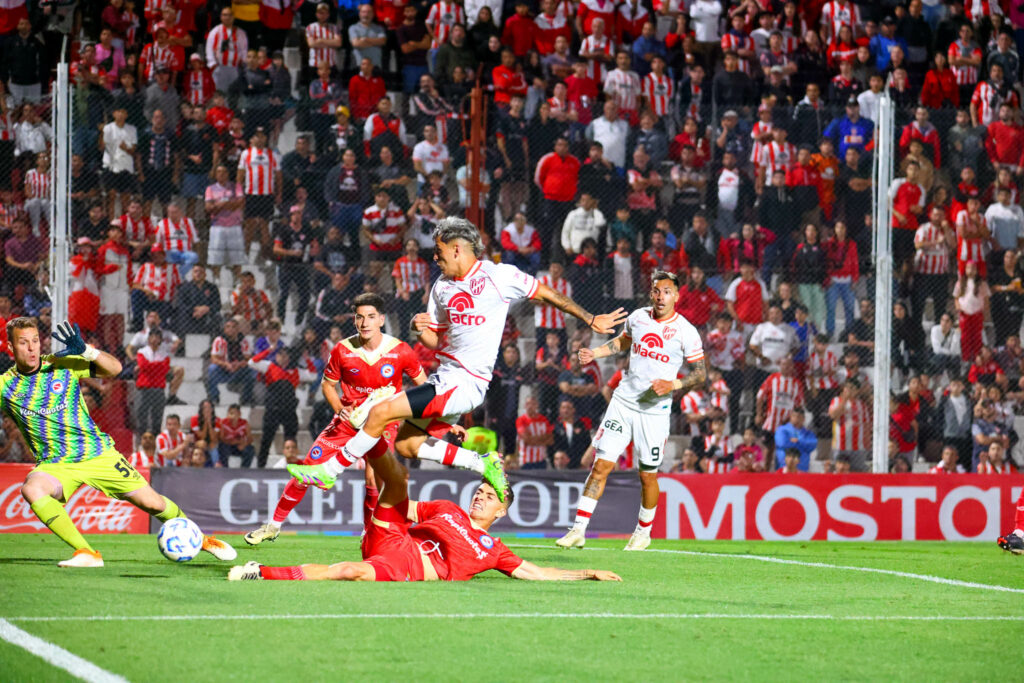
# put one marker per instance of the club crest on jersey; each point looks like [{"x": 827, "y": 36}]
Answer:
[
  {"x": 476, "y": 286},
  {"x": 486, "y": 541},
  {"x": 57, "y": 386},
  {"x": 316, "y": 452},
  {"x": 387, "y": 370},
  {"x": 668, "y": 333}
]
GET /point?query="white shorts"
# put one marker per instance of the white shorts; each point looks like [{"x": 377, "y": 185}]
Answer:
[
  {"x": 622, "y": 424},
  {"x": 227, "y": 246},
  {"x": 456, "y": 392}
]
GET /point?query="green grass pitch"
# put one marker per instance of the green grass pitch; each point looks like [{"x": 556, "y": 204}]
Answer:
[{"x": 677, "y": 616}]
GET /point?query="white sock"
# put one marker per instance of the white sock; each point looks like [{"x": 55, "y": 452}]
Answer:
[
  {"x": 273, "y": 526},
  {"x": 584, "y": 510},
  {"x": 358, "y": 446},
  {"x": 646, "y": 519},
  {"x": 1018, "y": 532},
  {"x": 450, "y": 454}
]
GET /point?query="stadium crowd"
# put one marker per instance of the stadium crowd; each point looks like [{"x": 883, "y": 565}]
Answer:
[{"x": 729, "y": 142}]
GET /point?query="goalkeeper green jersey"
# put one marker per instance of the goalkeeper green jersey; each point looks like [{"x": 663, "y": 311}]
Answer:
[{"x": 48, "y": 408}]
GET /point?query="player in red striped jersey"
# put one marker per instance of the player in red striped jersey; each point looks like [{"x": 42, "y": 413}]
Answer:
[
  {"x": 778, "y": 397},
  {"x": 259, "y": 173},
  {"x": 851, "y": 426},
  {"x": 171, "y": 443},
  {"x": 358, "y": 366},
  {"x": 147, "y": 454},
  {"x": 660, "y": 342},
  {"x": 535, "y": 434}
]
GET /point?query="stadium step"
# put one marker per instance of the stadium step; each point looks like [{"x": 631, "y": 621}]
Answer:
[{"x": 196, "y": 345}]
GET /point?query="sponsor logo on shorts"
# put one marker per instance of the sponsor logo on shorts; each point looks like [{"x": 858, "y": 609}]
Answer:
[
  {"x": 316, "y": 452},
  {"x": 486, "y": 541},
  {"x": 57, "y": 386},
  {"x": 387, "y": 370},
  {"x": 613, "y": 425}
]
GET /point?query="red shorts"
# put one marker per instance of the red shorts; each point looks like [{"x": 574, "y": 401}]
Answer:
[
  {"x": 335, "y": 435},
  {"x": 389, "y": 548}
]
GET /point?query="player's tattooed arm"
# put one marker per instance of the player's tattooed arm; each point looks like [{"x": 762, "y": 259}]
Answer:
[
  {"x": 609, "y": 348},
  {"x": 602, "y": 323},
  {"x": 528, "y": 571},
  {"x": 696, "y": 379}
]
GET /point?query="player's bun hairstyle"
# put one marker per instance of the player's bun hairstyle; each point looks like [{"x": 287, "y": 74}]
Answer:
[
  {"x": 660, "y": 275},
  {"x": 369, "y": 299},
  {"x": 23, "y": 323},
  {"x": 451, "y": 229}
]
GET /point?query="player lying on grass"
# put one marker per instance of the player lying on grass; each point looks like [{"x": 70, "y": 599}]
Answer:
[
  {"x": 425, "y": 541},
  {"x": 465, "y": 317},
  {"x": 1014, "y": 541},
  {"x": 659, "y": 342},
  {"x": 43, "y": 396},
  {"x": 358, "y": 365}
]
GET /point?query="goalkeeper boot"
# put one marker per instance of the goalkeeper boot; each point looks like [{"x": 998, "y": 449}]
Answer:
[
  {"x": 219, "y": 549},
  {"x": 83, "y": 557},
  {"x": 312, "y": 475},
  {"x": 267, "y": 532},
  {"x": 574, "y": 539},
  {"x": 250, "y": 571},
  {"x": 358, "y": 416},
  {"x": 638, "y": 541},
  {"x": 494, "y": 474},
  {"x": 1011, "y": 542}
]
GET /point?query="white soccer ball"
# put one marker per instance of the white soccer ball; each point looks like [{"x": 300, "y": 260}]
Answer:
[{"x": 180, "y": 539}]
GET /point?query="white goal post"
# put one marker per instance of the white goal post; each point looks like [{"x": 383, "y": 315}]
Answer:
[{"x": 884, "y": 163}]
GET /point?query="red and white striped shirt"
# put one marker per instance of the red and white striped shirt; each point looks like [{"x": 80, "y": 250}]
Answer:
[
  {"x": 320, "y": 31},
  {"x": 226, "y": 47},
  {"x": 37, "y": 185},
  {"x": 386, "y": 224},
  {"x": 821, "y": 370},
  {"x": 939, "y": 469},
  {"x": 137, "y": 230},
  {"x": 164, "y": 443},
  {"x": 974, "y": 10},
  {"x": 783, "y": 394},
  {"x": 965, "y": 75},
  {"x": 6, "y": 126},
  {"x": 725, "y": 350},
  {"x": 532, "y": 426},
  {"x": 733, "y": 43},
  {"x": 969, "y": 248},
  {"x": 719, "y": 443},
  {"x": 178, "y": 236},
  {"x": 440, "y": 19},
  {"x": 199, "y": 87},
  {"x": 988, "y": 100},
  {"x": 658, "y": 91},
  {"x": 624, "y": 88},
  {"x": 154, "y": 57},
  {"x": 776, "y": 157},
  {"x": 589, "y": 10},
  {"x": 412, "y": 274},
  {"x": 141, "y": 459},
  {"x": 596, "y": 70},
  {"x": 250, "y": 305},
  {"x": 759, "y": 130},
  {"x": 260, "y": 166},
  {"x": 989, "y": 468},
  {"x": 720, "y": 395},
  {"x": 548, "y": 316},
  {"x": 164, "y": 280},
  {"x": 716, "y": 467},
  {"x": 219, "y": 347},
  {"x": 836, "y": 14},
  {"x": 931, "y": 260},
  {"x": 853, "y": 431}
]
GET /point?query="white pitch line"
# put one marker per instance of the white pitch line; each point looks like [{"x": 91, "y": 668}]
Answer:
[
  {"x": 522, "y": 615},
  {"x": 57, "y": 656},
  {"x": 818, "y": 565}
]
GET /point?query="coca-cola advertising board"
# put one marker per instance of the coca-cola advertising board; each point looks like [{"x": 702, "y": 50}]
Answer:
[
  {"x": 859, "y": 507},
  {"x": 92, "y": 512}
]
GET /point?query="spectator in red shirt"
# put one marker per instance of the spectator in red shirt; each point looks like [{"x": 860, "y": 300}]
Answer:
[
  {"x": 557, "y": 176},
  {"x": 520, "y": 30},
  {"x": 152, "y": 367},
  {"x": 940, "y": 87},
  {"x": 697, "y": 302},
  {"x": 922, "y": 129},
  {"x": 747, "y": 297},
  {"x": 365, "y": 90},
  {"x": 508, "y": 79},
  {"x": 658, "y": 257},
  {"x": 235, "y": 438}
]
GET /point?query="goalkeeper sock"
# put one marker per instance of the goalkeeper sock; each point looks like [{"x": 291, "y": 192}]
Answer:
[
  {"x": 583, "y": 512},
  {"x": 450, "y": 454},
  {"x": 171, "y": 510},
  {"x": 646, "y": 519},
  {"x": 53, "y": 515},
  {"x": 282, "y": 573},
  {"x": 359, "y": 445},
  {"x": 292, "y": 496}
]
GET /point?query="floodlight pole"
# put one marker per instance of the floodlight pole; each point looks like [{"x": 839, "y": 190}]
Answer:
[{"x": 881, "y": 221}]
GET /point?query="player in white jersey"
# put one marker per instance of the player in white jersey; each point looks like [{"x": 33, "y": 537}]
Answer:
[
  {"x": 660, "y": 342},
  {"x": 464, "y": 320}
]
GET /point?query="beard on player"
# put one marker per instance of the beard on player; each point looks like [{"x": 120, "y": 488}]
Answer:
[{"x": 664, "y": 293}]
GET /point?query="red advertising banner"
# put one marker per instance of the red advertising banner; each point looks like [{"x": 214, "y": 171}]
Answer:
[
  {"x": 92, "y": 511},
  {"x": 856, "y": 507}
]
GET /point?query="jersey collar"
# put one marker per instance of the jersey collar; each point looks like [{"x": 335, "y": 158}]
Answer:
[
  {"x": 675, "y": 314},
  {"x": 472, "y": 271}
]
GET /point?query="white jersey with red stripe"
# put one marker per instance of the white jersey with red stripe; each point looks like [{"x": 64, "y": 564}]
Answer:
[
  {"x": 596, "y": 70},
  {"x": 178, "y": 236},
  {"x": 548, "y": 316},
  {"x": 776, "y": 157},
  {"x": 325, "y": 31},
  {"x": 141, "y": 459},
  {"x": 931, "y": 260},
  {"x": 165, "y": 441},
  {"x": 260, "y": 166},
  {"x": 471, "y": 311},
  {"x": 537, "y": 425},
  {"x": 836, "y": 14},
  {"x": 852, "y": 432},
  {"x": 658, "y": 349},
  {"x": 624, "y": 88},
  {"x": 989, "y": 468},
  {"x": 965, "y": 75},
  {"x": 821, "y": 370},
  {"x": 440, "y": 19},
  {"x": 38, "y": 184},
  {"x": 658, "y": 91}
]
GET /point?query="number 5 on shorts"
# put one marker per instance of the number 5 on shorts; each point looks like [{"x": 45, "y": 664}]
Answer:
[{"x": 124, "y": 467}]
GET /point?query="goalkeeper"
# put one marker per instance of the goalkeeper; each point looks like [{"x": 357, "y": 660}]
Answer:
[{"x": 43, "y": 396}]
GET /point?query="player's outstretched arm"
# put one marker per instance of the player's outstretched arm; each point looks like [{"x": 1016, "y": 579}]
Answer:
[
  {"x": 609, "y": 348},
  {"x": 603, "y": 323},
  {"x": 528, "y": 571},
  {"x": 70, "y": 336}
]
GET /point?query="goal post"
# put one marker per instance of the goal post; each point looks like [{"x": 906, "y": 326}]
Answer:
[
  {"x": 882, "y": 247},
  {"x": 60, "y": 207}
]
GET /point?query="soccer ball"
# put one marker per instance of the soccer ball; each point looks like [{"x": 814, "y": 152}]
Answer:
[{"x": 180, "y": 539}]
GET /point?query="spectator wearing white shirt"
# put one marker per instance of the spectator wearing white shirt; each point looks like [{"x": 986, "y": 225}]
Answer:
[
  {"x": 430, "y": 154},
  {"x": 32, "y": 135},
  {"x": 771, "y": 341},
  {"x": 704, "y": 15},
  {"x": 118, "y": 140},
  {"x": 945, "y": 345},
  {"x": 729, "y": 181},
  {"x": 520, "y": 244},
  {"x": 1006, "y": 223},
  {"x": 612, "y": 132},
  {"x": 584, "y": 221},
  {"x": 226, "y": 46},
  {"x": 868, "y": 100}
]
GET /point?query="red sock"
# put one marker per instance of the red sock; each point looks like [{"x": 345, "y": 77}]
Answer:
[
  {"x": 379, "y": 449},
  {"x": 369, "y": 504},
  {"x": 282, "y": 573},
  {"x": 1018, "y": 519},
  {"x": 292, "y": 496}
]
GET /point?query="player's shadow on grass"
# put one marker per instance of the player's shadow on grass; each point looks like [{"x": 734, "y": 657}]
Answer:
[
  {"x": 144, "y": 576},
  {"x": 27, "y": 560}
]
